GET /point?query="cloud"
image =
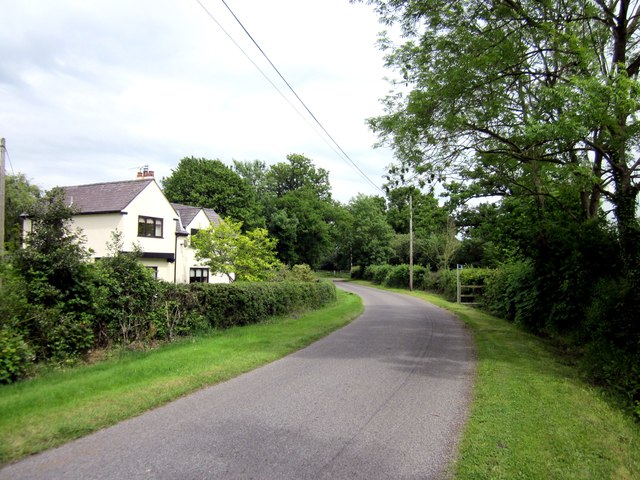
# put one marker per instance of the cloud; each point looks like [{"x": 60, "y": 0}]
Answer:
[{"x": 91, "y": 90}]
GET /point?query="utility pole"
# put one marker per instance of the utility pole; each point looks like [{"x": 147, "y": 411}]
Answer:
[
  {"x": 411, "y": 241},
  {"x": 2, "y": 149}
]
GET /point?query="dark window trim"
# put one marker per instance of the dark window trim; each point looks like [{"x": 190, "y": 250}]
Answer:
[
  {"x": 152, "y": 222},
  {"x": 203, "y": 278}
]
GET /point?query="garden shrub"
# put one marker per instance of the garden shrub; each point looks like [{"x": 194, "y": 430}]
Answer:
[
  {"x": 227, "y": 305},
  {"x": 15, "y": 355}
]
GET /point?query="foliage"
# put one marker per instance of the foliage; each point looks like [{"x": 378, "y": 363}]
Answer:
[
  {"x": 227, "y": 305},
  {"x": 53, "y": 262},
  {"x": 123, "y": 295},
  {"x": 297, "y": 273},
  {"x": 528, "y": 99},
  {"x": 15, "y": 355},
  {"x": 210, "y": 183},
  {"x": 371, "y": 234},
  {"x": 225, "y": 249},
  {"x": 20, "y": 195},
  {"x": 296, "y": 174},
  {"x": 300, "y": 222}
]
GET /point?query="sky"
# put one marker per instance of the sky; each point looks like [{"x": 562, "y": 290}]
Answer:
[{"x": 90, "y": 91}]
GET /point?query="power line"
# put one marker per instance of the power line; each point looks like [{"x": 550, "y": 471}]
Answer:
[
  {"x": 266, "y": 77},
  {"x": 342, "y": 154}
]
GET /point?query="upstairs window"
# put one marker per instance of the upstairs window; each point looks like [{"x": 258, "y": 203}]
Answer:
[
  {"x": 194, "y": 231},
  {"x": 149, "y": 227},
  {"x": 199, "y": 275}
]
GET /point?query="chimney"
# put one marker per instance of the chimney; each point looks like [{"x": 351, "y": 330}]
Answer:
[{"x": 144, "y": 173}]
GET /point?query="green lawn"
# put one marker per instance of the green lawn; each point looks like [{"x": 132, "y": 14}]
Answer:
[
  {"x": 532, "y": 416},
  {"x": 63, "y": 405}
]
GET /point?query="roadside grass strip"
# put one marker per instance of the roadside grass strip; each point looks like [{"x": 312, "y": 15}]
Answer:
[
  {"x": 533, "y": 416},
  {"x": 63, "y": 405}
]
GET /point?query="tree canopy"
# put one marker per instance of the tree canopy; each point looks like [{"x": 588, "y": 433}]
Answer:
[
  {"x": 520, "y": 98},
  {"x": 209, "y": 183}
]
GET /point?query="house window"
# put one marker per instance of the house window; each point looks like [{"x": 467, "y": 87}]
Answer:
[
  {"x": 149, "y": 227},
  {"x": 154, "y": 272},
  {"x": 199, "y": 275},
  {"x": 194, "y": 231}
]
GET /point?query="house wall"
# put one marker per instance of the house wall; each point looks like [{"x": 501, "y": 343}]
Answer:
[
  {"x": 186, "y": 259},
  {"x": 151, "y": 202},
  {"x": 97, "y": 230}
]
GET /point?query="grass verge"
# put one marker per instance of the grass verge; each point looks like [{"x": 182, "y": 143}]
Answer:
[
  {"x": 532, "y": 416},
  {"x": 63, "y": 405}
]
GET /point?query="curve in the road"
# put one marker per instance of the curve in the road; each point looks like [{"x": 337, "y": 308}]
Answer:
[{"x": 384, "y": 397}]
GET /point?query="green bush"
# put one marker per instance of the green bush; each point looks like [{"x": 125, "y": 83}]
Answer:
[
  {"x": 377, "y": 273},
  {"x": 227, "y": 305},
  {"x": 398, "y": 276},
  {"x": 612, "y": 356},
  {"x": 15, "y": 355}
]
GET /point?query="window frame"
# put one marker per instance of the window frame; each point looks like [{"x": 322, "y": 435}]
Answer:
[
  {"x": 203, "y": 278},
  {"x": 150, "y": 226}
]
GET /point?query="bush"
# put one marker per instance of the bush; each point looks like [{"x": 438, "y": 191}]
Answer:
[
  {"x": 398, "y": 276},
  {"x": 227, "y": 305},
  {"x": 612, "y": 356},
  {"x": 297, "y": 273},
  {"x": 15, "y": 355},
  {"x": 377, "y": 273}
]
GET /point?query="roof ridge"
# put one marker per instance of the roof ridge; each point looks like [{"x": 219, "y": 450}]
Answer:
[{"x": 144, "y": 180}]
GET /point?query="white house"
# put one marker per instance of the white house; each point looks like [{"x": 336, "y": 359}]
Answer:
[{"x": 140, "y": 211}]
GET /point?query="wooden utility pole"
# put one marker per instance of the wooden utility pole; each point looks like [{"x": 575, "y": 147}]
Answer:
[
  {"x": 411, "y": 241},
  {"x": 2, "y": 149}
]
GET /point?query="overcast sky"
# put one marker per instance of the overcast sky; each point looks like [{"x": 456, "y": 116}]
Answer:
[{"x": 92, "y": 89}]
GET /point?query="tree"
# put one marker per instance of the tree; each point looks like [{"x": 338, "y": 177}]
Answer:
[
  {"x": 300, "y": 222},
  {"x": 54, "y": 260},
  {"x": 20, "y": 197},
  {"x": 246, "y": 256},
  {"x": 372, "y": 236},
  {"x": 210, "y": 183},
  {"x": 298, "y": 173},
  {"x": 515, "y": 97}
]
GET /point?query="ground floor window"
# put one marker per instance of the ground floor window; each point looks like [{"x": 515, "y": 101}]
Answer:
[
  {"x": 199, "y": 275},
  {"x": 154, "y": 272}
]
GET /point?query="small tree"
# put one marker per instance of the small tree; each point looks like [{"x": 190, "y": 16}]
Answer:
[{"x": 250, "y": 256}]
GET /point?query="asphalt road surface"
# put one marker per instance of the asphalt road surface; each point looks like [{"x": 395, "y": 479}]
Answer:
[{"x": 384, "y": 397}]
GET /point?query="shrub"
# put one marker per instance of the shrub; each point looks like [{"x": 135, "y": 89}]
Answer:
[
  {"x": 15, "y": 355},
  {"x": 227, "y": 305},
  {"x": 398, "y": 276},
  {"x": 377, "y": 273},
  {"x": 612, "y": 356}
]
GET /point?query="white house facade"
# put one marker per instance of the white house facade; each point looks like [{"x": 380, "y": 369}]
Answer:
[{"x": 142, "y": 214}]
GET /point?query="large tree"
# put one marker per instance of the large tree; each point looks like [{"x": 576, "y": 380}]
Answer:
[
  {"x": 371, "y": 235},
  {"x": 505, "y": 97},
  {"x": 210, "y": 183}
]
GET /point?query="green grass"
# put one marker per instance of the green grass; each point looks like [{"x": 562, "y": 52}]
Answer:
[
  {"x": 533, "y": 417},
  {"x": 63, "y": 405}
]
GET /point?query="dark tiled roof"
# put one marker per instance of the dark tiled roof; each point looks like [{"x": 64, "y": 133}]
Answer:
[
  {"x": 104, "y": 197},
  {"x": 187, "y": 213},
  {"x": 212, "y": 216}
]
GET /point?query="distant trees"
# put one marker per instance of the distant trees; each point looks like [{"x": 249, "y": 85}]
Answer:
[{"x": 210, "y": 183}]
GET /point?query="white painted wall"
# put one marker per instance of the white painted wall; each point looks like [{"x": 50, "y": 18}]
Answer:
[
  {"x": 151, "y": 202},
  {"x": 187, "y": 256}
]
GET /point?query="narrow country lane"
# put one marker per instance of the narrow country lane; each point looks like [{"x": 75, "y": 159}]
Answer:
[{"x": 384, "y": 397}]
